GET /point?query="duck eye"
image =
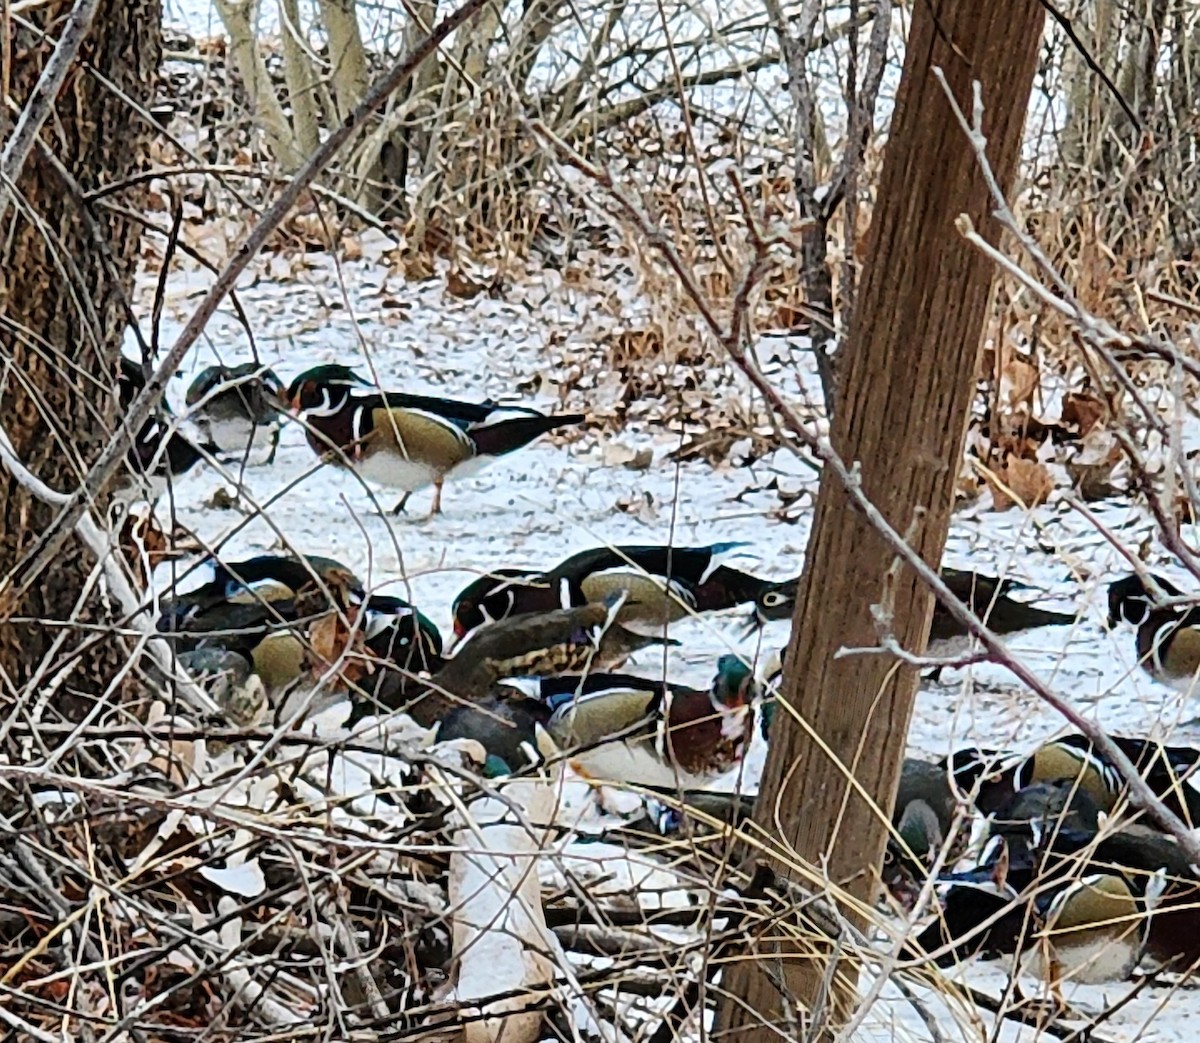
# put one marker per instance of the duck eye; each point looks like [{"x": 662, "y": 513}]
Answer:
[{"x": 771, "y": 600}]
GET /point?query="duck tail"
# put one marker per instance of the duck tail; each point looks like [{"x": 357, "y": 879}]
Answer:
[
  {"x": 1041, "y": 617},
  {"x": 514, "y": 431}
]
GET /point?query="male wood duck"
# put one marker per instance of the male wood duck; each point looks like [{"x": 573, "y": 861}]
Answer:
[
  {"x": 1096, "y": 930},
  {"x": 993, "y": 778},
  {"x": 290, "y": 615},
  {"x": 1084, "y": 931},
  {"x": 1067, "y": 875},
  {"x": 619, "y": 728},
  {"x": 397, "y": 632},
  {"x": 160, "y": 454},
  {"x": 987, "y": 597},
  {"x": 408, "y": 441},
  {"x": 664, "y": 584},
  {"x": 264, "y": 578},
  {"x": 529, "y": 645},
  {"x": 230, "y": 404},
  {"x": 510, "y": 729},
  {"x": 1171, "y": 772},
  {"x": 1168, "y": 639}
]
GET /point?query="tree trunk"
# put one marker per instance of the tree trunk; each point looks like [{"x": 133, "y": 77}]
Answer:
[
  {"x": 907, "y": 385},
  {"x": 62, "y": 320}
]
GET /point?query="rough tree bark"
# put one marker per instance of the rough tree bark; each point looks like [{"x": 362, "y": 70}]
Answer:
[
  {"x": 908, "y": 379},
  {"x": 62, "y": 317}
]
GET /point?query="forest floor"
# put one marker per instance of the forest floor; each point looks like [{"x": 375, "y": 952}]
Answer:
[{"x": 563, "y": 495}]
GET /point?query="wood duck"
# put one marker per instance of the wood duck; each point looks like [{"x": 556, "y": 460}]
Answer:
[
  {"x": 1095, "y": 930},
  {"x": 408, "y": 441},
  {"x": 160, "y": 453},
  {"x": 265, "y": 578},
  {"x": 529, "y": 645},
  {"x": 1074, "y": 888},
  {"x": 663, "y": 584},
  {"x": 625, "y": 729},
  {"x": 987, "y": 597},
  {"x": 289, "y": 617},
  {"x": 1169, "y": 771},
  {"x": 399, "y": 633},
  {"x": 926, "y": 805},
  {"x": 230, "y": 404},
  {"x": 1089, "y": 930},
  {"x": 511, "y": 730},
  {"x": 1168, "y": 639}
]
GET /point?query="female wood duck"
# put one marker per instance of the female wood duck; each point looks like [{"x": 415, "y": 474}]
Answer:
[
  {"x": 987, "y": 597},
  {"x": 408, "y": 441},
  {"x": 652, "y": 733},
  {"x": 160, "y": 453},
  {"x": 1168, "y": 639},
  {"x": 231, "y": 403},
  {"x": 532, "y": 644},
  {"x": 664, "y": 584}
]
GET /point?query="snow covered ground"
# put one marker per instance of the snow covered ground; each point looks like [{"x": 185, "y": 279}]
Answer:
[{"x": 560, "y": 496}]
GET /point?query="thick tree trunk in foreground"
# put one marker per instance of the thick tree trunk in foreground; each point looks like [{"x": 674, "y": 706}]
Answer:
[
  {"x": 907, "y": 383},
  {"x": 61, "y": 317}
]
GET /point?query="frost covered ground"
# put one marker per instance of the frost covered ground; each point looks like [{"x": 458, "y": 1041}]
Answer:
[{"x": 560, "y": 496}]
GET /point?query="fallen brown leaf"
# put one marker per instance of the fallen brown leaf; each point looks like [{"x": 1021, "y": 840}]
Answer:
[
  {"x": 1019, "y": 482},
  {"x": 1083, "y": 409}
]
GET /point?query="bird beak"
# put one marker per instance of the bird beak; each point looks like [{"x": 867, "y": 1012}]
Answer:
[{"x": 460, "y": 632}]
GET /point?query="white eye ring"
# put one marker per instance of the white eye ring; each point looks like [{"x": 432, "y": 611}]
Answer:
[{"x": 771, "y": 600}]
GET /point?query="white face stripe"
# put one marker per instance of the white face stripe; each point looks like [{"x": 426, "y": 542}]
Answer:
[
  {"x": 326, "y": 408},
  {"x": 564, "y": 593}
]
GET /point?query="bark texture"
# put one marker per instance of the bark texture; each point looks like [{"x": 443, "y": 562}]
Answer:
[
  {"x": 62, "y": 318},
  {"x": 904, "y": 398}
]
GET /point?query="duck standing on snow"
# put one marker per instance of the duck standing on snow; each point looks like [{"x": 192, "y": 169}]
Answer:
[
  {"x": 663, "y": 584},
  {"x": 230, "y": 403},
  {"x": 408, "y": 441}
]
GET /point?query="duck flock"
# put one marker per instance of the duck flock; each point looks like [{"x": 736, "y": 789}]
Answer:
[{"x": 1059, "y": 870}]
